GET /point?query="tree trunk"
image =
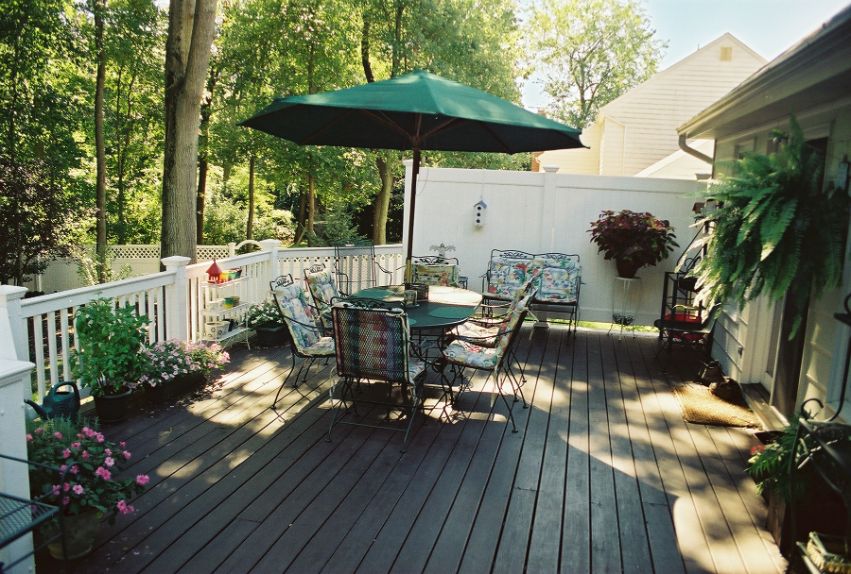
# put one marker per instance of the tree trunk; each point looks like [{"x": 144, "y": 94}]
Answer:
[
  {"x": 98, "y": 7},
  {"x": 190, "y": 34},
  {"x": 301, "y": 227},
  {"x": 311, "y": 202},
  {"x": 382, "y": 202},
  {"x": 249, "y": 228},
  {"x": 203, "y": 154}
]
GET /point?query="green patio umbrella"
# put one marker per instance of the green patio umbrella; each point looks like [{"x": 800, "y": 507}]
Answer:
[{"x": 418, "y": 111}]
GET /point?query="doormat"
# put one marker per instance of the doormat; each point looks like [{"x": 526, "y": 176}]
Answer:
[{"x": 702, "y": 406}]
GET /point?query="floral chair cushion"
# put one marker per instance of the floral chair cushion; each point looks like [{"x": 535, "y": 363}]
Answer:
[
  {"x": 559, "y": 283},
  {"x": 324, "y": 290},
  {"x": 469, "y": 354},
  {"x": 324, "y": 347},
  {"x": 299, "y": 316},
  {"x": 445, "y": 274}
]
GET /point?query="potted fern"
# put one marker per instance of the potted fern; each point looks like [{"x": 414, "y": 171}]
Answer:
[{"x": 775, "y": 231}]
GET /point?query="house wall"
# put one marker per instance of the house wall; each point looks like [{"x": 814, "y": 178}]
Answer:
[
  {"x": 639, "y": 128},
  {"x": 744, "y": 337},
  {"x": 544, "y": 212}
]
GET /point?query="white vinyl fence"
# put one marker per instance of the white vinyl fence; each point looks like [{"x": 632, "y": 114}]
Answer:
[{"x": 546, "y": 212}]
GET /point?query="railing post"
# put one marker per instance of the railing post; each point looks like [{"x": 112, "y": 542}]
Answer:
[
  {"x": 231, "y": 249},
  {"x": 177, "y": 298},
  {"x": 272, "y": 246},
  {"x": 14, "y": 476},
  {"x": 13, "y": 328}
]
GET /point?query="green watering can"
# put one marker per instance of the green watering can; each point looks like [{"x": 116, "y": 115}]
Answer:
[{"x": 59, "y": 403}]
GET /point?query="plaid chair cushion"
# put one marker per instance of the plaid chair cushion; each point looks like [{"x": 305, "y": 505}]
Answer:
[{"x": 372, "y": 344}]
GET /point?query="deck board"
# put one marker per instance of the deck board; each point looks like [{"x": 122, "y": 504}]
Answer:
[{"x": 603, "y": 475}]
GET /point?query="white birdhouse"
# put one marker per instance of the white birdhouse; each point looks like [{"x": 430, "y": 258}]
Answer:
[{"x": 480, "y": 209}]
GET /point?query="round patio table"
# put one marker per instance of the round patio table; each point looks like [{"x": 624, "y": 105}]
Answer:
[{"x": 446, "y": 306}]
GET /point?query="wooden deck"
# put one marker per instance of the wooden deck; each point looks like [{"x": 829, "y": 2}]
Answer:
[{"x": 603, "y": 476}]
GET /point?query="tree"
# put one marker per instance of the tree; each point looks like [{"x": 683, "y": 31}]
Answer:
[
  {"x": 590, "y": 52},
  {"x": 191, "y": 29},
  {"x": 36, "y": 216},
  {"x": 98, "y": 7}
]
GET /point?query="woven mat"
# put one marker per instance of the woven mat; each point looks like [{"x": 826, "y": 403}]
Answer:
[{"x": 701, "y": 406}]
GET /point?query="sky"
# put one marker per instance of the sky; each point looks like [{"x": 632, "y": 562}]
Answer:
[{"x": 769, "y": 27}]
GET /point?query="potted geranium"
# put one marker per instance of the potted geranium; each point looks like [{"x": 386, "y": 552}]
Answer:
[
  {"x": 108, "y": 356},
  {"x": 78, "y": 472},
  {"x": 632, "y": 239},
  {"x": 266, "y": 320},
  {"x": 173, "y": 367}
]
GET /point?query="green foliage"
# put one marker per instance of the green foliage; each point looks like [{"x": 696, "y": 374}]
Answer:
[
  {"x": 108, "y": 357},
  {"x": 636, "y": 238},
  {"x": 338, "y": 228},
  {"x": 36, "y": 217},
  {"x": 776, "y": 231},
  {"x": 265, "y": 314},
  {"x": 770, "y": 465},
  {"x": 86, "y": 466},
  {"x": 590, "y": 52}
]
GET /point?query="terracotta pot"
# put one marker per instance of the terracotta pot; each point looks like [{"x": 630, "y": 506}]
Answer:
[
  {"x": 80, "y": 533},
  {"x": 626, "y": 268},
  {"x": 113, "y": 408}
]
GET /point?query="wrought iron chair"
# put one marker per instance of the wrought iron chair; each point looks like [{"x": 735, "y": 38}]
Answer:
[
  {"x": 323, "y": 287},
  {"x": 373, "y": 344},
  {"x": 307, "y": 340},
  {"x": 437, "y": 270},
  {"x": 692, "y": 327},
  {"x": 356, "y": 262},
  {"x": 468, "y": 353},
  {"x": 485, "y": 330}
]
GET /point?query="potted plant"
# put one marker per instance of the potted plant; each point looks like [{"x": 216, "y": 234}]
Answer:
[
  {"x": 632, "y": 239},
  {"x": 77, "y": 471},
  {"x": 173, "y": 367},
  {"x": 108, "y": 356},
  {"x": 265, "y": 318}
]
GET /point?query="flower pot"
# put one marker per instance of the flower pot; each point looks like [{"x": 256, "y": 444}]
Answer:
[
  {"x": 626, "y": 268},
  {"x": 80, "y": 533},
  {"x": 113, "y": 408},
  {"x": 270, "y": 335},
  {"x": 159, "y": 394}
]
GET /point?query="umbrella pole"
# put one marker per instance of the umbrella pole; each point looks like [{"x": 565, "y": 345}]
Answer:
[{"x": 411, "y": 211}]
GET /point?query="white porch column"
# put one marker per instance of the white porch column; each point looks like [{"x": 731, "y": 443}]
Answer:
[
  {"x": 177, "y": 298},
  {"x": 13, "y": 328},
  {"x": 14, "y": 476}
]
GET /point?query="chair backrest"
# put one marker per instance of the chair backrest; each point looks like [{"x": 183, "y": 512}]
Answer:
[
  {"x": 356, "y": 262},
  {"x": 508, "y": 332},
  {"x": 322, "y": 286},
  {"x": 435, "y": 270},
  {"x": 560, "y": 274},
  {"x": 299, "y": 316},
  {"x": 372, "y": 340}
]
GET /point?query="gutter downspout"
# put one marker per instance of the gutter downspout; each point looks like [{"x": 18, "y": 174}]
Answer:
[{"x": 691, "y": 151}]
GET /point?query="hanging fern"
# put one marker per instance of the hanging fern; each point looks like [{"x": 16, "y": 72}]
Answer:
[{"x": 776, "y": 231}]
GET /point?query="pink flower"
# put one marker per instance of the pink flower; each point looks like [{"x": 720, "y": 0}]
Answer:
[
  {"x": 56, "y": 489},
  {"x": 103, "y": 473},
  {"x": 122, "y": 444},
  {"x": 99, "y": 437},
  {"x": 126, "y": 455},
  {"x": 85, "y": 455},
  {"x": 142, "y": 479},
  {"x": 108, "y": 461},
  {"x": 66, "y": 487},
  {"x": 58, "y": 435},
  {"x": 66, "y": 500},
  {"x": 75, "y": 445},
  {"x": 107, "y": 452},
  {"x": 75, "y": 469},
  {"x": 29, "y": 437},
  {"x": 66, "y": 453},
  {"x": 78, "y": 489},
  {"x": 39, "y": 430},
  {"x": 124, "y": 508},
  {"x": 63, "y": 468}
]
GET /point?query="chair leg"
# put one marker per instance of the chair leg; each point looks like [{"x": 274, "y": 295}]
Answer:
[
  {"x": 499, "y": 385},
  {"x": 284, "y": 382}
]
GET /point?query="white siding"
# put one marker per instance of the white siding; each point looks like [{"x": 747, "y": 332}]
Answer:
[{"x": 639, "y": 128}]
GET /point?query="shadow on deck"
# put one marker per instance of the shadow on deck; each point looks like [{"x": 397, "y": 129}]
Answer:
[{"x": 602, "y": 476}]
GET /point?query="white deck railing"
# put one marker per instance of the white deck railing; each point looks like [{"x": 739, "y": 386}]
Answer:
[{"x": 40, "y": 329}]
